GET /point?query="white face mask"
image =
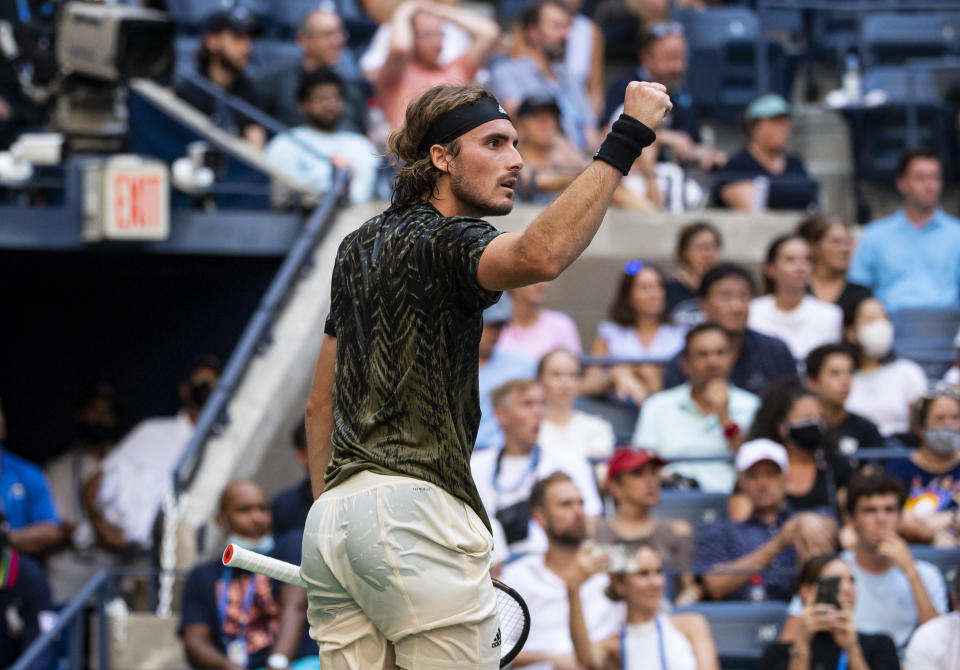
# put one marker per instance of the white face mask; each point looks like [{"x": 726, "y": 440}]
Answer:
[
  {"x": 876, "y": 338},
  {"x": 263, "y": 545}
]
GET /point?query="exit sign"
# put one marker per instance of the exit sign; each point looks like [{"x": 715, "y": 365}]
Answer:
[{"x": 136, "y": 201}]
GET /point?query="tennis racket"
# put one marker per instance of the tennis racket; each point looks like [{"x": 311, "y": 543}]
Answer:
[{"x": 512, "y": 610}]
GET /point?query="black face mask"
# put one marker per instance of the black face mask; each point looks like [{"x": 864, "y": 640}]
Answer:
[
  {"x": 96, "y": 433},
  {"x": 199, "y": 393},
  {"x": 807, "y": 436}
]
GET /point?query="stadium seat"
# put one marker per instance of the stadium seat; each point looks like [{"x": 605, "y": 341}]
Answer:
[
  {"x": 699, "y": 508},
  {"x": 892, "y": 38},
  {"x": 620, "y": 413},
  {"x": 947, "y": 560},
  {"x": 185, "y": 53},
  {"x": 191, "y": 14},
  {"x": 269, "y": 54},
  {"x": 880, "y": 133},
  {"x": 926, "y": 336},
  {"x": 742, "y": 630},
  {"x": 722, "y": 74}
]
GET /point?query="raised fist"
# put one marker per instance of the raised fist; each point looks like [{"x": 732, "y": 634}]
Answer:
[{"x": 647, "y": 102}]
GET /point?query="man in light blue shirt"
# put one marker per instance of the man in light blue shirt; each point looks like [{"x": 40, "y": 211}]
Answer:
[
  {"x": 497, "y": 368},
  {"x": 912, "y": 257},
  {"x": 310, "y": 151},
  {"x": 542, "y": 72},
  {"x": 705, "y": 416}
]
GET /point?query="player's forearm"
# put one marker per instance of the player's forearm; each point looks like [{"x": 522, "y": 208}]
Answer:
[{"x": 319, "y": 415}]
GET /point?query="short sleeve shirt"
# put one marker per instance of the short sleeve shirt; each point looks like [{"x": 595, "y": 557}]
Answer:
[
  {"x": 203, "y": 599},
  {"x": 406, "y": 312},
  {"x": 25, "y": 496}
]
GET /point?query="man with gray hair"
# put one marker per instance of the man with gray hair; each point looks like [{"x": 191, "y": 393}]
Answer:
[{"x": 322, "y": 39}]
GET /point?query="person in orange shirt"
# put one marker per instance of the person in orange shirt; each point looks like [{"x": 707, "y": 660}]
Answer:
[{"x": 416, "y": 40}]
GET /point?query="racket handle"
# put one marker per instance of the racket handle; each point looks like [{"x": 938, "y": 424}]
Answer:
[{"x": 238, "y": 557}]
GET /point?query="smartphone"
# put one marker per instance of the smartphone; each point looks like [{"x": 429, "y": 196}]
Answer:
[{"x": 827, "y": 589}]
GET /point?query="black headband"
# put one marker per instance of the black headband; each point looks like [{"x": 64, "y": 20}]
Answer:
[{"x": 460, "y": 120}]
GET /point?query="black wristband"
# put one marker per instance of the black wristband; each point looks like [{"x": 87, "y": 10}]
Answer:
[{"x": 624, "y": 142}]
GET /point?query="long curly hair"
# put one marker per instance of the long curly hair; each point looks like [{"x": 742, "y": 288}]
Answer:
[{"x": 417, "y": 177}]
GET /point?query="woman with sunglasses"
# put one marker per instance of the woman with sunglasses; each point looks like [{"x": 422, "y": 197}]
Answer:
[
  {"x": 831, "y": 247},
  {"x": 932, "y": 472},
  {"x": 636, "y": 331},
  {"x": 827, "y": 635},
  {"x": 650, "y": 638}
]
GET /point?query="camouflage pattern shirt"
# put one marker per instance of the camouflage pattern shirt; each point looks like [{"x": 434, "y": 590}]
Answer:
[{"x": 406, "y": 312}]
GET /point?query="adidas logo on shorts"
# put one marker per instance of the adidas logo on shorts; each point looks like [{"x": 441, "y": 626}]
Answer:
[{"x": 496, "y": 640}]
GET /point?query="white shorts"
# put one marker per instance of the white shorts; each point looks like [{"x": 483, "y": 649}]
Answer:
[{"x": 399, "y": 559}]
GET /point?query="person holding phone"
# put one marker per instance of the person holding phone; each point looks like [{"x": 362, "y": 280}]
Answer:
[{"x": 827, "y": 636}]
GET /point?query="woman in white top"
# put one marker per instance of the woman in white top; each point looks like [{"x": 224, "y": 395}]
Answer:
[
  {"x": 565, "y": 428},
  {"x": 650, "y": 639},
  {"x": 884, "y": 386},
  {"x": 636, "y": 330},
  {"x": 787, "y": 311}
]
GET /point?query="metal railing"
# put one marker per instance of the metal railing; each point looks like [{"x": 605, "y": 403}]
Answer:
[
  {"x": 256, "y": 335},
  {"x": 71, "y": 619}
]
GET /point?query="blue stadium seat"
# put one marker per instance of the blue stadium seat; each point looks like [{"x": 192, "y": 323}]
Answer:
[
  {"x": 191, "y": 14},
  {"x": 185, "y": 53},
  {"x": 620, "y": 413},
  {"x": 926, "y": 336},
  {"x": 698, "y": 508},
  {"x": 880, "y": 134},
  {"x": 892, "y": 38},
  {"x": 947, "y": 560},
  {"x": 742, "y": 630},
  {"x": 722, "y": 74},
  {"x": 269, "y": 54}
]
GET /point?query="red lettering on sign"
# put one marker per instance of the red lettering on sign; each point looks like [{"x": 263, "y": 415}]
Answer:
[{"x": 136, "y": 202}]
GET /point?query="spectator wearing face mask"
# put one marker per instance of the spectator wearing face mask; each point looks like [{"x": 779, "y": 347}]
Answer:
[
  {"x": 237, "y": 619},
  {"x": 793, "y": 416},
  {"x": 884, "y": 386},
  {"x": 73, "y": 564},
  {"x": 932, "y": 472},
  {"x": 124, "y": 496}
]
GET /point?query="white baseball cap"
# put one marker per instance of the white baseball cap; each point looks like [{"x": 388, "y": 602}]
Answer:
[{"x": 761, "y": 449}]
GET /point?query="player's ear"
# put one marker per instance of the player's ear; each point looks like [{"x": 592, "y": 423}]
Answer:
[{"x": 440, "y": 158}]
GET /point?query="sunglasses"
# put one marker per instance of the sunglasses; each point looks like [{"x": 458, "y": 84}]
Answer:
[{"x": 664, "y": 28}]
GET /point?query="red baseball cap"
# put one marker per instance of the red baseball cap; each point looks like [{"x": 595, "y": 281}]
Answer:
[{"x": 628, "y": 459}]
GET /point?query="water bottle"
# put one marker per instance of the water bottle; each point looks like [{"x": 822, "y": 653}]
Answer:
[
  {"x": 761, "y": 191},
  {"x": 757, "y": 592},
  {"x": 851, "y": 77}
]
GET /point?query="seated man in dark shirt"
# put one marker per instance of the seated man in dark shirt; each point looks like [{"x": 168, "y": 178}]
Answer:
[
  {"x": 764, "y": 176},
  {"x": 233, "y": 618},
  {"x": 756, "y": 559},
  {"x": 725, "y": 293},
  {"x": 222, "y": 57},
  {"x": 829, "y": 374},
  {"x": 662, "y": 57},
  {"x": 290, "y": 508},
  {"x": 26, "y": 608}
]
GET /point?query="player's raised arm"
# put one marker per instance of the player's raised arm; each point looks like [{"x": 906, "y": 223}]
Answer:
[{"x": 564, "y": 229}]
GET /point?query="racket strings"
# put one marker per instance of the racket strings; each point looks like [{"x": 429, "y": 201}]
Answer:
[{"x": 512, "y": 619}]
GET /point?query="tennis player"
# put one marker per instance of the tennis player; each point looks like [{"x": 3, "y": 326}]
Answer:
[{"x": 396, "y": 551}]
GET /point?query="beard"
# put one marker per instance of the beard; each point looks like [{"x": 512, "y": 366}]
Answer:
[
  {"x": 325, "y": 123},
  {"x": 466, "y": 192},
  {"x": 221, "y": 58},
  {"x": 566, "y": 537},
  {"x": 555, "y": 53}
]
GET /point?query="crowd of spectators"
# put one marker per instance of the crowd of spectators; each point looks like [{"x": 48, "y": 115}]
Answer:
[{"x": 774, "y": 391}]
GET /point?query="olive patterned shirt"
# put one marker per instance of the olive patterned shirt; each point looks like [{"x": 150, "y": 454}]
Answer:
[{"x": 406, "y": 312}]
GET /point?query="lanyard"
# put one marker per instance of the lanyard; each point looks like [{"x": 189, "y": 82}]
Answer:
[
  {"x": 842, "y": 663},
  {"x": 245, "y": 607},
  {"x": 660, "y": 649},
  {"x": 531, "y": 468}
]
